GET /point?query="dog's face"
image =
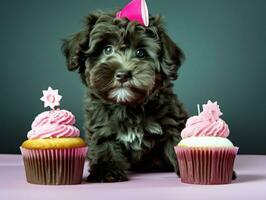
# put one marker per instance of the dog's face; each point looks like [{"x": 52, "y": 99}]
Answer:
[{"x": 121, "y": 61}]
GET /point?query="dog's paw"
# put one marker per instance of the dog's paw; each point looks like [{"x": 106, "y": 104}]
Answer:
[
  {"x": 107, "y": 176},
  {"x": 234, "y": 176},
  {"x": 178, "y": 173}
]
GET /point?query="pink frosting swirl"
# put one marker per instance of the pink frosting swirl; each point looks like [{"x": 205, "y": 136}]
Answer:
[
  {"x": 53, "y": 124},
  {"x": 207, "y": 123}
]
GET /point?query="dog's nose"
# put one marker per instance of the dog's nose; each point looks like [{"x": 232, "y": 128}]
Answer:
[{"x": 123, "y": 76}]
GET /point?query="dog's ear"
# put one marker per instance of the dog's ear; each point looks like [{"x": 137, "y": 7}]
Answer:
[
  {"x": 73, "y": 52},
  {"x": 74, "y": 47},
  {"x": 171, "y": 56}
]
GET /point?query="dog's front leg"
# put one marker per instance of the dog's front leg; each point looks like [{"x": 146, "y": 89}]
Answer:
[
  {"x": 107, "y": 163},
  {"x": 171, "y": 156}
]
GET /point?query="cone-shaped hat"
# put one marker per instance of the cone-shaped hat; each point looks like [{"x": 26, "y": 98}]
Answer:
[{"x": 136, "y": 10}]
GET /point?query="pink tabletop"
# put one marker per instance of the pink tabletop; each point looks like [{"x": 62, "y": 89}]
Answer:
[{"x": 251, "y": 185}]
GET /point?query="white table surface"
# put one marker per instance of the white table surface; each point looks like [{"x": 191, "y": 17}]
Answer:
[{"x": 250, "y": 184}]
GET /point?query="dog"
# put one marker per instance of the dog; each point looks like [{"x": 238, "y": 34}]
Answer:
[{"x": 133, "y": 119}]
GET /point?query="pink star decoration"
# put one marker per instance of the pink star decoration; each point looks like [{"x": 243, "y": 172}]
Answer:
[
  {"x": 51, "y": 98},
  {"x": 211, "y": 111}
]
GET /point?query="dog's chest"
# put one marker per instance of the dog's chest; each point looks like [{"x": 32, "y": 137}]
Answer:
[{"x": 132, "y": 138}]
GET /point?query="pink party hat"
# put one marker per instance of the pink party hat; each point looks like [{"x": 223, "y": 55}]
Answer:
[{"x": 136, "y": 10}]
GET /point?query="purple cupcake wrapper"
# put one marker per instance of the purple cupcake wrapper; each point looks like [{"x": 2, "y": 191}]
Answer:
[
  {"x": 54, "y": 166},
  {"x": 206, "y": 165}
]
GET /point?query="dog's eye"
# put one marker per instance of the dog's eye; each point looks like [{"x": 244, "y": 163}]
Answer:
[
  {"x": 141, "y": 53},
  {"x": 108, "y": 50}
]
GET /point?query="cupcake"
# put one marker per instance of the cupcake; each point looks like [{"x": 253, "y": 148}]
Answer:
[
  {"x": 54, "y": 154},
  {"x": 205, "y": 155}
]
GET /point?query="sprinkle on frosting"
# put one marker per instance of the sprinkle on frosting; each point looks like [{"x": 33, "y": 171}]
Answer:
[{"x": 207, "y": 123}]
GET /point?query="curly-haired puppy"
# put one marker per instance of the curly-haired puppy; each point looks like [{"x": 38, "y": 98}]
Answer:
[{"x": 133, "y": 118}]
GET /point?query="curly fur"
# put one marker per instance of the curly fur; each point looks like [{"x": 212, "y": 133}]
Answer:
[{"x": 136, "y": 125}]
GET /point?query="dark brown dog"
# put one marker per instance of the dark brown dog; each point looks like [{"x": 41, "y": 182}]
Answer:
[{"x": 133, "y": 118}]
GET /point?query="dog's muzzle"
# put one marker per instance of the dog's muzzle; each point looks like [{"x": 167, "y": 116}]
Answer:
[{"x": 123, "y": 76}]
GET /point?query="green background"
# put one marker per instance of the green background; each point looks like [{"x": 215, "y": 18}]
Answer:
[{"x": 224, "y": 43}]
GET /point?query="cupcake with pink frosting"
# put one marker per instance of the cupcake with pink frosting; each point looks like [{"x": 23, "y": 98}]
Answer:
[
  {"x": 205, "y": 155},
  {"x": 54, "y": 154}
]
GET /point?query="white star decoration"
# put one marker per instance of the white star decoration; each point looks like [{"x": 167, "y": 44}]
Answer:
[
  {"x": 211, "y": 110},
  {"x": 51, "y": 98}
]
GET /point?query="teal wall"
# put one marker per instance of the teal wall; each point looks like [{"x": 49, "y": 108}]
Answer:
[{"x": 224, "y": 42}]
